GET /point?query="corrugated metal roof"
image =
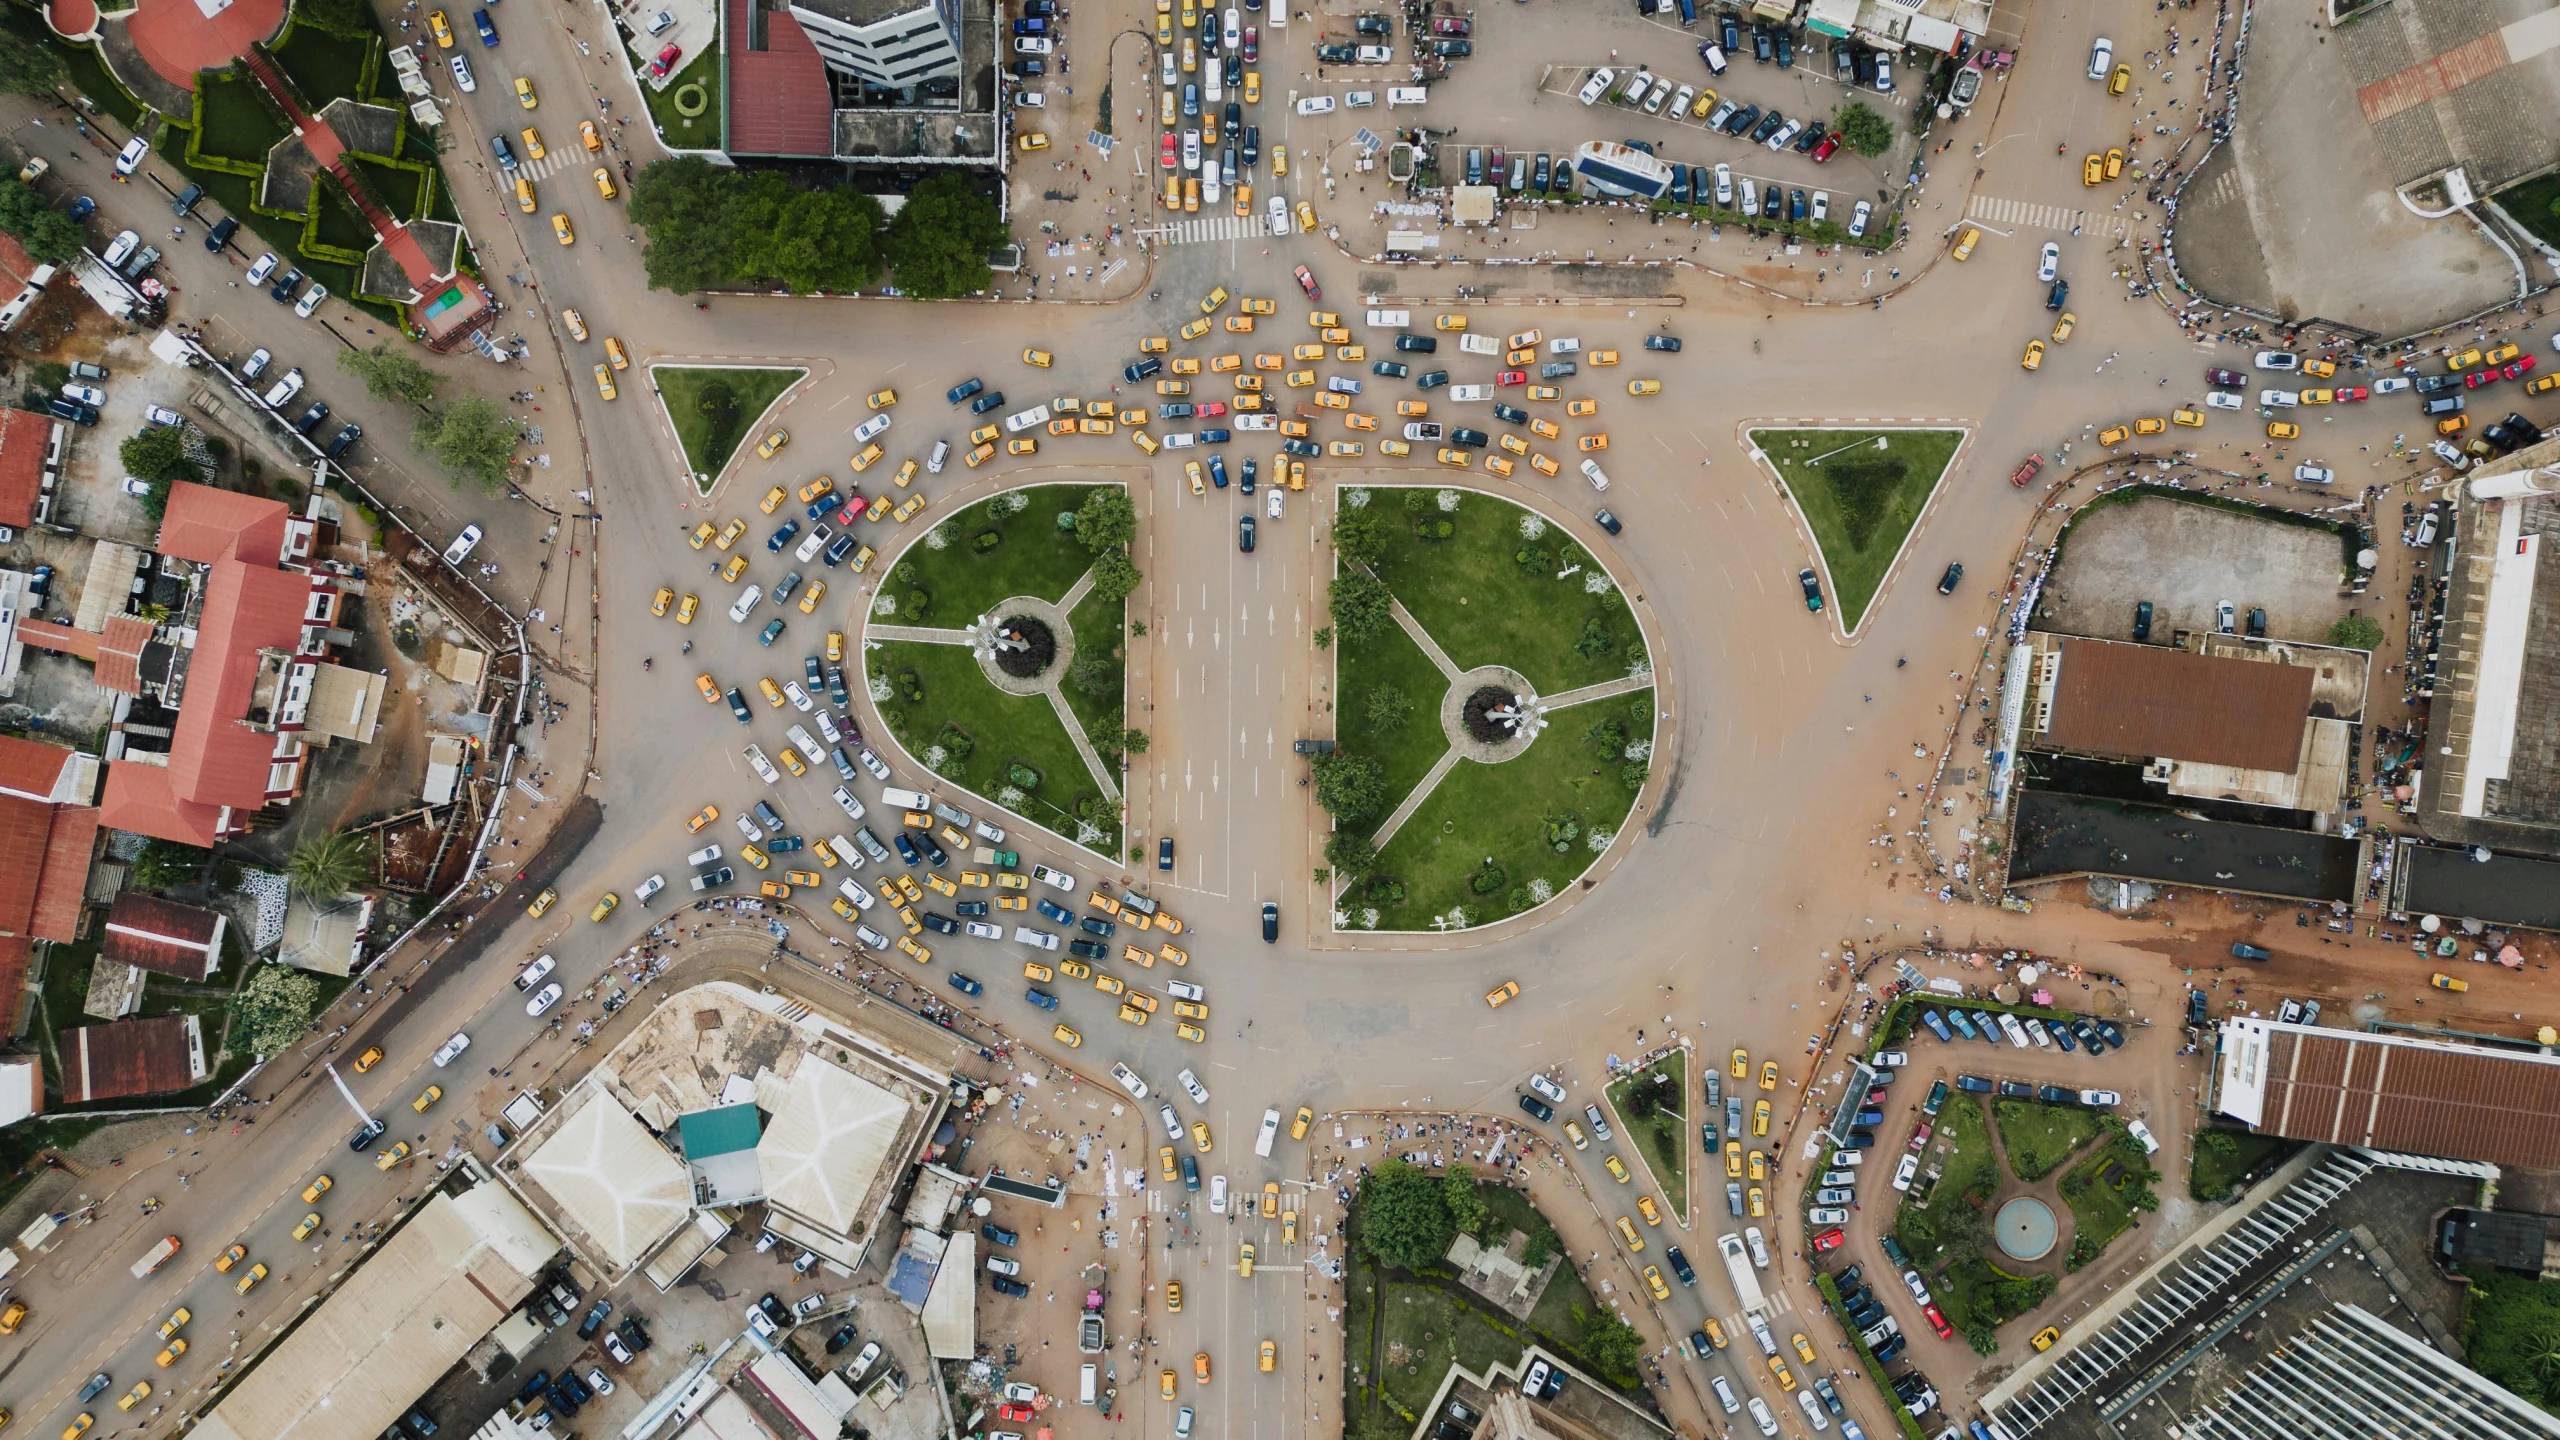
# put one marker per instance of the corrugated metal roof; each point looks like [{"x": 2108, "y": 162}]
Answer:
[
  {"x": 779, "y": 100},
  {"x": 2461, "y": 1102},
  {"x": 24, "y": 436},
  {"x": 162, "y": 936},
  {"x": 2146, "y": 701},
  {"x": 131, "y": 1057}
]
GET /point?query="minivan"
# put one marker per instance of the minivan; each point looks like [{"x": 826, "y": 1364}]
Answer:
[{"x": 1085, "y": 1385}]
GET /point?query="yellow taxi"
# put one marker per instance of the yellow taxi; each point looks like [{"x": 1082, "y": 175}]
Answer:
[
  {"x": 1154, "y": 345},
  {"x": 1280, "y": 161},
  {"x": 1253, "y": 87},
  {"x": 730, "y": 532},
  {"x": 1210, "y": 302},
  {"x": 439, "y": 27},
  {"x": 1187, "y": 365},
  {"x": 1066, "y": 1037},
  {"x": 524, "y": 92},
  {"x": 1598, "y": 441},
  {"x": 772, "y": 692},
  {"x": 2093, "y": 170},
  {"x": 2150, "y": 425},
  {"x": 2034, "y": 356},
  {"x": 2062, "y": 326},
  {"x": 1022, "y": 445},
  {"x": 1644, "y": 387},
  {"x": 1041, "y": 358},
  {"x": 1306, "y": 216},
  {"x": 771, "y": 445},
  {"x": 659, "y": 602},
  {"x": 882, "y": 399},
  {"x": 871, "y": 455},
  {"x": 1545, "y": 392},
  {"x": 1454, "y": 459},
  {"x": 1653, "y": 1279},
  {"x": 1544, "y": 466},
  {"x": 2115, "y": 163},
  {"x": 771, "y": 502},
  {"x": 604, "y": 182},
  {"x": 1397, "y": 448},
  {"x": 2325, "y": 369},
  {"x": 604, "y": 907},
  {"x": 1769, "y": 1075},
  {"x": 1033, "y": 141},
  {"x": 1300, "y": 379},
  {"x": 1760, "y": 1117},
  {"x": 1965, "y": 243},
  {"x": 561, "y": 232},
  {"x": 1604, "y": 357},
  {"x": 1616, "y": 1167},
  {"x": 736, "y": 567},
  {"x": 577, "y": 324},
  {"x": 1627, "y": 1232},
  {"x": 309, "y": 1223},
  {"x": 541, "y": 904},
  {"x": 604, "y": 382},
  {"x": 816, "y": 592},
  {"x": 1341, "y": 448},
  {"x": 1741, "y": 1063},
  {"x": 1196, "y": 328},
  {"x": 2115, "y": 435},
  {"x": 2458, "y": 363},
  {"x": 2183, "y": 416}
]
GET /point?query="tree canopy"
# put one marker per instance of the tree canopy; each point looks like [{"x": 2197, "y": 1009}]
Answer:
[
  {"x": 390, "y": 374},
  {"x": 1106, "y": 520},
  {"x": 158, "y": 456},
  {"x": 274, "y": 1008},
  {"x": 1404, "y": 1216},
  {"x": 474, "y": 440},
  {"x": 1360, "y": 535},
  {"x": 1351, "y": 788},
  {"x": 50, "y": 237},
  {"x": 713, "y": 224},
  {"x": 30, "y": 69},
  {"x": 1862, "y": 129},
  {"x": 2356, "y": 632},
  {"x": 325, "y": 867},
  {"x": 938, "y": 242},
  {"x": 1115, "y": 576},
  {"x": 1360, "y": 606}
]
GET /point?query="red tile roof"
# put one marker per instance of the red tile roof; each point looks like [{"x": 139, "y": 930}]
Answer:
[
  {"x": 778, "y": 97},
  {"x": 215, "y": 758},
  {"x": 129, "y": 1057},
  {"x": 15, "y": 951},
  {"x": 64, "y": 888},
  {"x": 63, "y": 639},
  {"x": 23, "y": 438},
  {"x": 26, "y": 829},
  {"x": 144, "y": 799},
  {"x": 162, "y": 936},
  {"x": 204, "y": 525},
  {"x": 120, "y": 653},
  {"x": 31, "y": 769}
]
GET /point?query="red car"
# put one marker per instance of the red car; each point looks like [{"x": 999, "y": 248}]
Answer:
[
  {"x": 1307, "y": 282},
  {"x": 1252, "y": 44},
  {"x": 1017, "y": 1414},
  {"x": 2477, "y": 378},
  {"x": 1937, "y": 1321},
  {"x": 1830, "y": 146},
  {"x": 2350, "y": 394},
  {"x": 1172, "y": 151},
  {"x": 666, "y": 61},
  {"x": 854, "y": 510},
  {"x": 1211, "y": 408},
  {"x": 1450, "y": 25},
  {"x": 2026, "y": 472},
  {"x": 1830, "y": 1239},
  {"x": 2224, "y": 377},
  {"x": 1920, "y": 1136},
  {"x": 2517, "y": 369},
  {"x": 1512, "y": 377}
]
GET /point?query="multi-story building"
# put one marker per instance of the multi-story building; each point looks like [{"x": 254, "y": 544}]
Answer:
[{"x": 889, "y": 43}]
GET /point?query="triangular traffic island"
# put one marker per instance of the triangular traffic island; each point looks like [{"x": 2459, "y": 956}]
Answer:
[
  {"x": 1861, "y": 492},
  {"x": 715, "y": 409}
]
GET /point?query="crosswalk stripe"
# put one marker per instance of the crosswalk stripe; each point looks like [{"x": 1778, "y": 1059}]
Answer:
[{"x": 1216, "y": 227}]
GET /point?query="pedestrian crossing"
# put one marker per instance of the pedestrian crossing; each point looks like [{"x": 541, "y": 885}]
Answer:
[
  {"x": 2091, "y": 224},
  {"x": 554, "y": 161},
  {"x": 1215, "y": 227}
]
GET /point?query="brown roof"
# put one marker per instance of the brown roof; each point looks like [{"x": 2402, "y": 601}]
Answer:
[
  {"x": 130, "y": 1057},
  {"x": 2146, "y": 701},
  {"x": 2459, "y": 1102},
  {"x": 204, "y": 525},
  {"x": 778, "y": 97},
  {"x": 31, "y": 769},
  {"x": 163, "y": 936},
  {"x": 15, "y": 952},
  {"x": 23, "y": 438},
  {"x": 44, "y": 867},
  {"x": 142, "y": 798}
]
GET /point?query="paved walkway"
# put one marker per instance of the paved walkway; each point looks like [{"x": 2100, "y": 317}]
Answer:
[
  {"x": 1413, "y": 799},
  {"x": 1625, "y": 685},
  {"x": 1448, "y": 667},
  {"x": 1046, "y": 686},
  {"x": 922, "y": 634}
]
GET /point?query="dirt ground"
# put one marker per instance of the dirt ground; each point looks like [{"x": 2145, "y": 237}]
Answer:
[{"x": 2184, "y": 559}]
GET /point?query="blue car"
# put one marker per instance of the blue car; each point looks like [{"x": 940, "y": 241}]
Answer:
[
  {"x": 488, "y": 31},
  {"x": 1214, "y": 437},
  {"x": 1963, "y": 1025},
  {"x": 986, "y": 402},
  {"x": 1053, "y": 911},
  {"x": 1041, "y": 998},
  {"x": 784, "y": 536},
  {"x": 1989, "y": 1027},
  {"x": 906, "y": 850},
  {"x": 784, "y": 589},
  {"x": 2061, "y": 1034},
  {"x": 964, "y": 390},
  {"x": 1932, "y": 1019},
  {"x": 1174, "y": 410},
  {"x": 1218, "y": 471},
  {"x": 771, "y": 632}
]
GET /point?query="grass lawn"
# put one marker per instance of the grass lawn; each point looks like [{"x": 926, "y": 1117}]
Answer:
[
  {"x": 2104, "y": 1191},
  {"x": 1004, "y": 728},
  {"x": 402, "y": 190},
  {"x": 2531, "y": 203},
  {"x": 2038, "y": 1137},
  {"x": 328, "y": 66},
  {"x": 237, "y": 124},
  {"x": 961, "y": 582},
  {"x": 1661, "y": 1138},
  {"x": 1498, "y": 811},
  {"x": 1099, "y": 625},
  {"x": 701, "y": 132},
  {"x": 1405, "y": 749},
  {"x": 1426, "y": 1328},
  {"x": 340, "y": 224},
  {"x": 1978, "y": 1292},
  {"x": 706, "y": 448},
  {"x": 1859, "y": 509},
  {"x": 1962, "y": 1145},
  {"x": 1484, "y": 607},
  {"x": 2211, "y": 1175}
]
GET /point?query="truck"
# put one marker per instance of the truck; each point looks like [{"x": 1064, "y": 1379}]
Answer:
[
  {"x": 1089, "y": 1338},
  {"x": 1001, "y": 859},
  {"x": 157, "y": 1256},
  {"x": 1311, "y": 747},
  {"x": 1737, "y": 1266}
]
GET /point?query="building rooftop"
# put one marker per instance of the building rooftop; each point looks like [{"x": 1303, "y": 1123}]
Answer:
[
  {"x": 164, "y": 936},
  {"x": 2492, "y": 775},
  {"x": 2142, "y": 702},
  {"x": 779, "y": 98},
  {"x": 132, "y": 1057},
  {"x": 25, "y": 439},
  {"x": 611, "y": 1182},
  {"x": 2391, "y": 1092}
]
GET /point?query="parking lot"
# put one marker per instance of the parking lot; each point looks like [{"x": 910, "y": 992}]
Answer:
[{"x": 2185, "y": 559}]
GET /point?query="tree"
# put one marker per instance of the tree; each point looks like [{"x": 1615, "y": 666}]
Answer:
[
  {"x": 680, "y": 202},
  {"x": 474, "y": 441},
  {"x": 1134, "y": 741},
  {"x": 1643, "y": 1102},
  {"x": 274, "y": 1008},
  {"x": 1093, "y": 674},
  {"x": 1359, "y": 605},
  {"x": 1388, "y": 707},
  {"x": 1360, "y": 536},
  {"x": 1862, "y": 129},
  {"x": 30, "y": 68},
  {"x": 1609, "y": 1345},
  {"x": 167, "y": 865},
  {"x": 390, "y": 374},
  {"x": 158, "y": 456},
  {"x": 1351, "y": 788},
  {"x": 1467, "y": 1210},
  {"x": 2356, "y": 632},
  {"x": 346, "y": 17},
  {"x": 49, "y": 236},
  {"x": 938, "y": 243},
  {"x": 1350, "y": 854},
  {"x": 1106, "y": 520},
  {"x": 325, "y": 867},
  {"x": 1404, "y": 1217},
  {"x": 1114, "y": 577}
]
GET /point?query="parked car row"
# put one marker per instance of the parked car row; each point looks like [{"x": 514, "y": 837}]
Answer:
[{"x": 2096, "y": 1036}]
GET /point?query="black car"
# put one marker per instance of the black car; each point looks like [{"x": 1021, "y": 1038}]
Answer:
[
  {"x": 1430, "y": 379},
  {"x": 2016, "y": 1090},
  {"x": 1769, "y": 206},
  {"x": 1270, "y": 923},
  {"x": 965, "y": 985},
  {"x": 2258, "y": 622},
  {"x": 1007, "y": 1285},
  {"x": 790, "y": 531},
  {"x": 843, "y": 1337},
  {"x": 1089, "y": 949},
  {"x": 1252, "y": 144},
  {"x": 964, "y": 389},
  {"x": 1667, "y": 343},
  {"x": 1844, "y": 65},
  {"x": 1559, "y": 369},
  {"x": 1304, "y": 448},
  {"x": 1417, "y": 344},
  {"x": 1164, "y": 853},
  {"x": 933, "y": 852},
  {"x": 1955, "y": 573},
  {"x": 540, "y": 1382},
  {"x": 1135, "y": 371},
  {"x": 420, "y": 1423},
  {"x": 1096, "y": 926},
  {"x": 1453, "y": 49},
  {"x": 1537, "y": 1107},
  {"x": 1373, "y": 24},
  {"x": 907, "y": 850},
  {"x": 1176, "y": 410},
  {"x": 940, "y": 924},
  {"x": 1607, "y": 521},
  {"x": 1812, "y": 584},
  {"x": 594, "y": 1320},
  {"x": 1471, "y": 439},
  {"x": 1510, "y": 414},
  {"x": 365, "y": 1135},
  {"x": 286, "y": 284},
  {"x": 1741, "y": 121},
  {"x": 348, "y": 434},
  {"x": 984, "y": 403},
  {"x": 2142, "y": 620},
  {"x": 1680, "y": 1265},
  {"x": 773, "y": 1308},
  {"x": 1334, "y": 54},
  {"x": 1538, "y": 176},
  {"x": 1786, "y": 50},
  {"x": 1391, "y": 369},
  {"x": 1245, "y": 483},
  {"x": 1863, "y": 63},
  {"x": 998, "y": 1235},
  {"x": 311, "y": 418},
  {"x": 635, "y": 1336},
  {"x": 220, "y": 235},
  {"x": 72, "y": 410},
  {"x": 2061, "y": 292},
  {"x": 2526, "y": 431},
  {"x": 1028, "y": 69}
]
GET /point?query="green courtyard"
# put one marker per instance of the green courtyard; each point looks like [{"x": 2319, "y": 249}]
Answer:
[
  {"x": 1860, "y": 491},
  {"x": 716, "y": 408},
  {"x": 1649, "y": 1107},
  {"x": 1490, "y": 583},
  {"x": 945, "y": 714}
]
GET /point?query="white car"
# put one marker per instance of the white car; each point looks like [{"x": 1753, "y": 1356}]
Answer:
[
  {"x": 763, "y": 767},
  {"x": 707, "y": 855},
  {"x": 599, "y": 1381},
  {"x": 463, "y": 77},
  {"x": 1724, "y": 185},
  {"x": 860, "y": 895},
  {"x": 2278, "y": 360},
  {"x": 1234, "y": 28},
  {"x": 2049, "y": 263},
  {"x": 1815, "y": 1415},
  {"x": 869, "y": 428},
  {"x": 748, "y": 827},
  {"x": 2314, "y": 474},
  {"x": 2102, "y": 58},
  {"x": 984, "y": 931},
  {"x": 1128, "y": 1080},
  {"x": 1548, "y": 1088},
  {"x": 2279, "y": 399},
  {"x": 159, "y": 415},
  {"x": 1759, "y": 1244},
  {"x": 1191, "y": 1085},
  {"x": 1026, "y": 935},
  {"x": 1891, "y": 1059},
  {"x": 310, "y": 301},
  {"x": 827, "y": 727},
  {"x": 1275, "y": 507},
  {"x": 873, "y": 763},
  {"x": 1257, "y": 420},
  {"x": 1316, "y": 105},
  {"x": 460, "y": 549},
  {"x": 1821, "y": 204},
  {"x": 1827, "y": 1215},
  {"x": 452, "y": 1049},
  {"x": 1858, "y": 219},
  {"x": 1903, "y": 1172},
  {"x": 1190, "y": 149},
  {"x": 1170, "y": 78},
  {"x": 2445, "y": 452},
  {"x": 1185, "y": 990},
  {"x": 129, "y": 159},
  {"x": 1761, "y": 1417},
  {"x": 817, "y": 541},
  {"x": 259, "y": 271},
  {"x": 1032, "y": 45},
  {"x": 1598, "y": 477},
  {"x": 1172, "y": 1122},
  {"x": 1279, "y": 216},
  {"x": 1786, "y": 135},
  {"x": 89, "y": 395},
  {"x": 2224, "y": 400},
  {"x": 798, "y": 697},
  {"x": 992, "y": 834},
  {"x": 1217, "y": 1194},
  {"x": 1021, "y": 420},
  {"x": 1058, "y": 879},
  {"x": 745, "y": 604},
  {"x": 1597, "y": 85},
  {"x": 1919, "y": 1287},
  {"x": 2100, "y": 1098},
  {"x": 543, "y": 1000},
  {"x": 2391, "y": 384},
  {"x": 649, "y": 887},
  {"x": 534, "y": 972},
  {"x": 135, "y": 486}
]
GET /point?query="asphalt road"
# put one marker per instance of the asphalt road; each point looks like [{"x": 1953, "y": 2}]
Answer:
[{"x": 1785, "y": 743}]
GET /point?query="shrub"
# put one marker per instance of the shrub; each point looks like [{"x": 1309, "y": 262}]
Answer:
[
  {"x": 1021, "y": 776},
  {"x": 1595, "y": 640},
  {"x": 958, "y": 742},
  {"x": 911, "y": 685},
  {"x": 1487, "y": 879},
  {"x": 985, "y": 540},
  {"x": 1436, "y": 527},
  {"x": 1532, "y": 558}
]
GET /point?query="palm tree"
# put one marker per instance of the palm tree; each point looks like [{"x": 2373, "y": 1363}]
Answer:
[{"x": 328, "y": 866}]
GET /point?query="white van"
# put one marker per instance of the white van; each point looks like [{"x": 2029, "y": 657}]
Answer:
[
  {"x": 745, "y": 603},
  {"x": 1085, "y": 1385},
  {"x": 891, "y": 795},
  {"x": 1390, "y": 319},
  {"x": 1475, "y": 344},
  {"x": 1406, "y": 95},
  {"x": 1470, "y": 394},
  {"x": 1360, "y": 99},
  {"x": 1022, "y": 420},
  {"x": 1714, "y": 56},
  {"x": 846, "y": 852},
  {"x": 857, "y": 893},
  {"x": 1270, "y": 1131}
]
